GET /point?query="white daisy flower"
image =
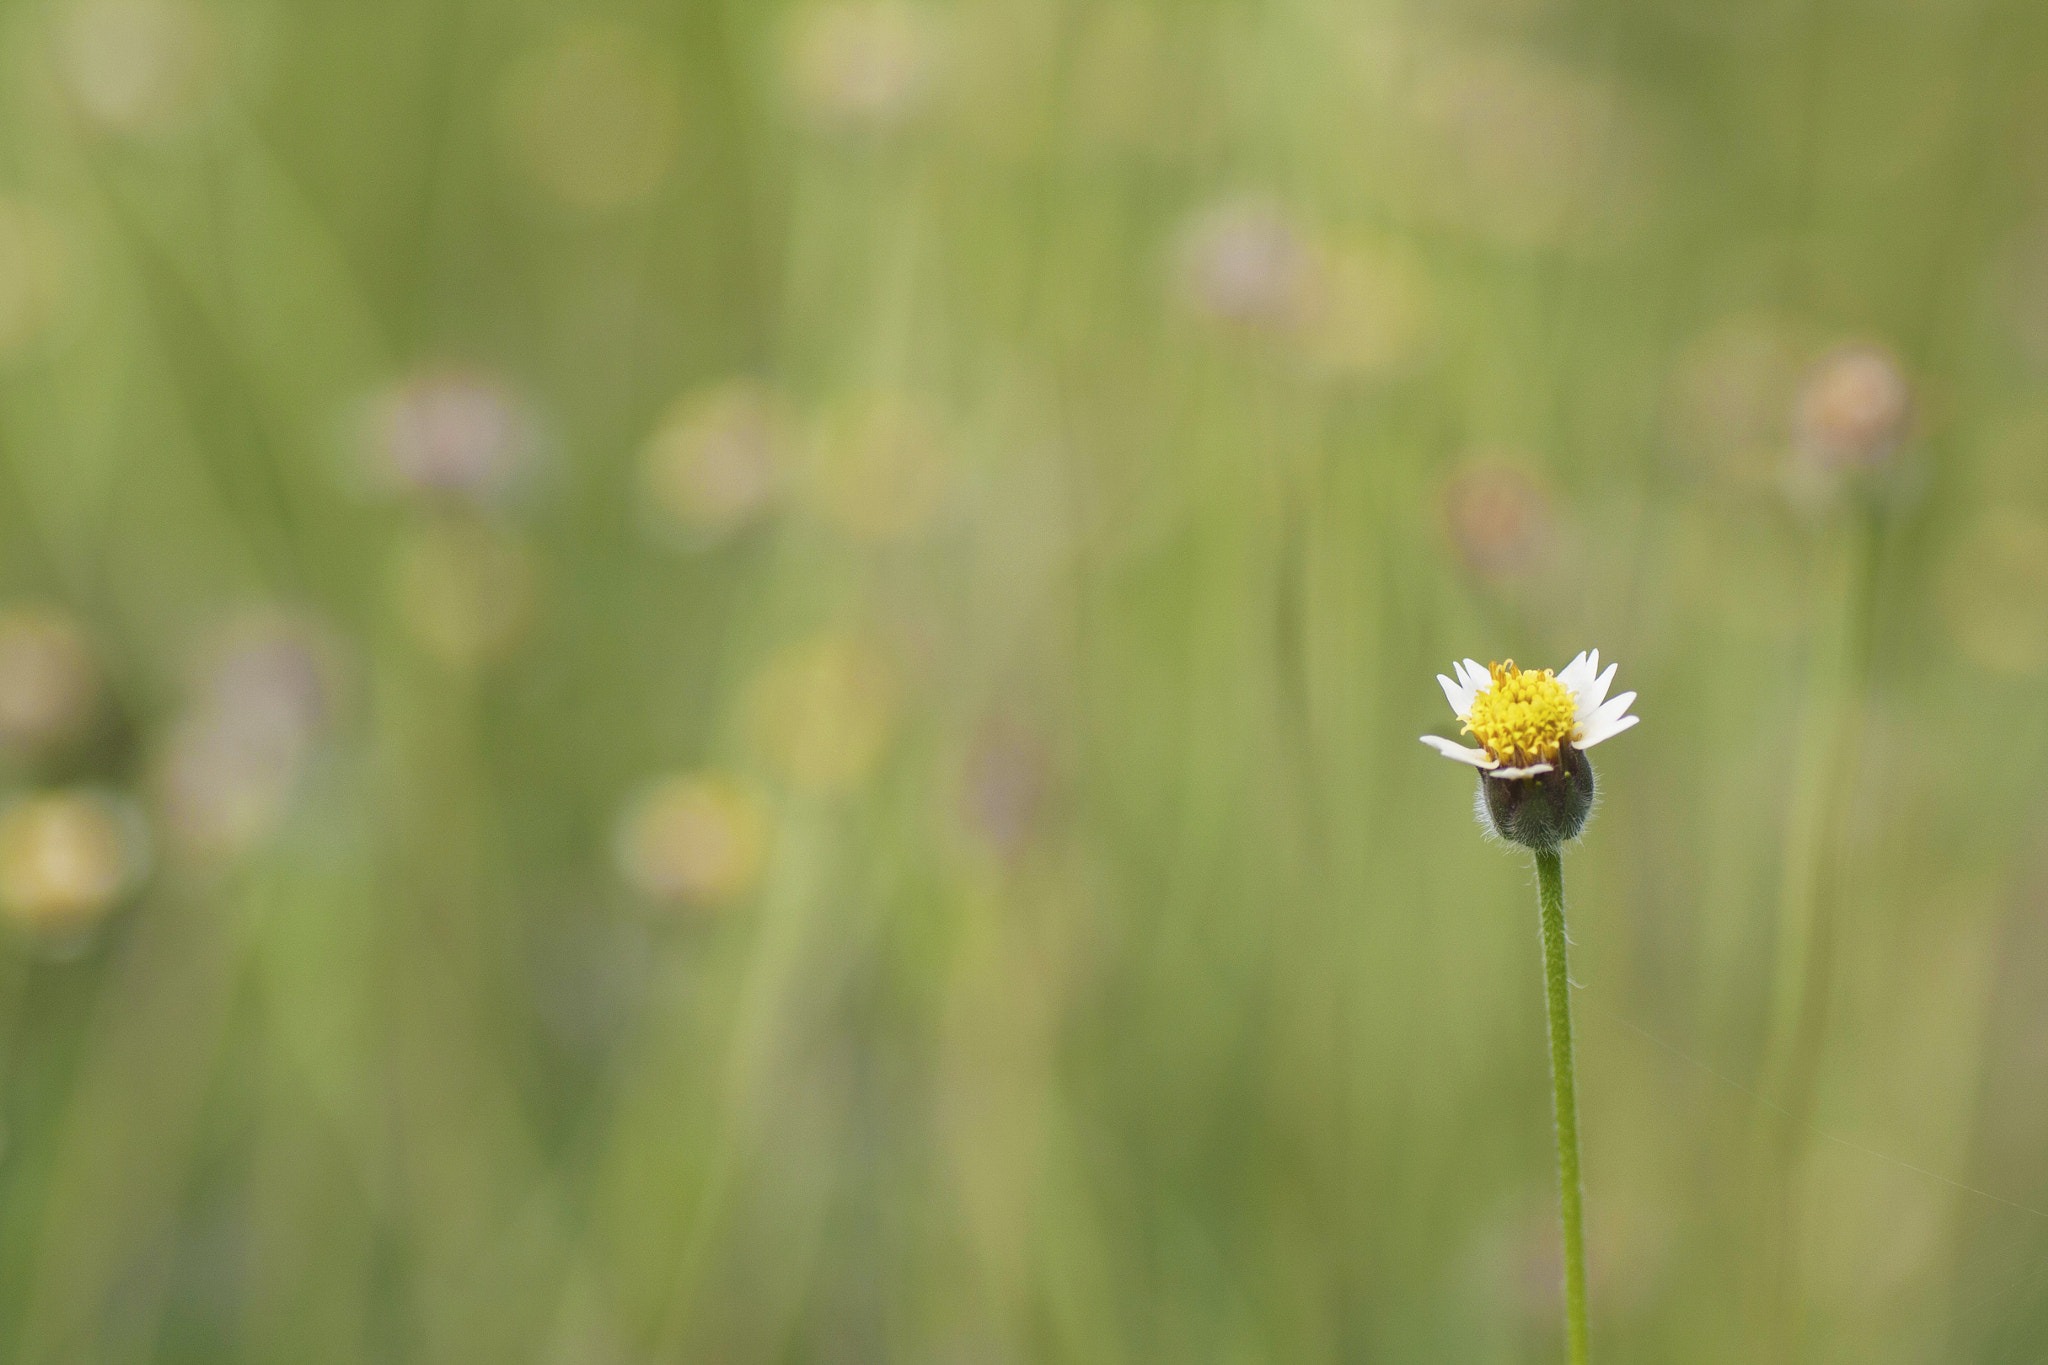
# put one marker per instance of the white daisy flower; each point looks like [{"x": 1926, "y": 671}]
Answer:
[
  {"x": 1523, "y": 720},
  {"x": 1532, "y": 730}
]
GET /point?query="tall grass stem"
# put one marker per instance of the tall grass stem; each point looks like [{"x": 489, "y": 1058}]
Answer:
[{"x": 1843, "y": 608}]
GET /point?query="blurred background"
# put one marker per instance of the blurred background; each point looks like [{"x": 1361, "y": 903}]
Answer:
[{"x": 738, "y": 681}]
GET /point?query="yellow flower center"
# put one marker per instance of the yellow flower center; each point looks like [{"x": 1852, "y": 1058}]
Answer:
[{"x": 1522, "y": 718}]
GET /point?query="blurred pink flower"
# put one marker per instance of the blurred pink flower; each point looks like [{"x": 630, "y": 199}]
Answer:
[
  {"x": 266, "y": 692},
  {"x": 1246, "y": 261},
  {"x": 450, "y": 432},
  {"x": 1500, "y": 520},
  {"x": 1853, "y": 410}
]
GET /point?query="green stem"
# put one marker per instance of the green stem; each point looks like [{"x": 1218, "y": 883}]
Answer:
[
  {"x": 1844, "y": 600},
  {"x": 1570, "y": 1197},
  {"x": 1842, "y": 606}
]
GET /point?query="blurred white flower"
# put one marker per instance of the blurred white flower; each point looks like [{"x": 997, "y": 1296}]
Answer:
[
  {"x": 1246, "y": 261},
  {"x": 1351, "y": 310},
  {"x": 266, "y": 691},
  {"x": 276, "y": 675},
  {"x": 223, "y": 790},
  {"x": 449, "y": 432}
]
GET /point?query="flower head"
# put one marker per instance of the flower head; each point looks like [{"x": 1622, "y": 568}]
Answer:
[
  {"x": 1532, "y": 730},
  {"x": 66, "y": 858},
  {"x": 700, "y": 839},
  {"x": 1854, "y": 410},
  {"x": 450, "y": 434}
]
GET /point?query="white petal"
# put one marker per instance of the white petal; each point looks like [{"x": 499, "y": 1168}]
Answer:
[
  {"x": 1575, "y": 673},
  {"x": 1458, "y": 695},
  {"x": 1530, "y": 771},
  {"x": 1598, "y": 734},
  {"x": 1449, "y": 749},
  {"x": 1587, "y": 688},
  {"x": 1475, "y": 680},
  {"x": 1578, "y": 682},
  {"x": 1614, "y": 708},
  {"x": 1591, "y": 691}
]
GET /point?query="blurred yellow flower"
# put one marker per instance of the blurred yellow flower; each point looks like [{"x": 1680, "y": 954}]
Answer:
[
  {"x": 821, "y": 712},
  {"x": 1523, "y": 152},
  {"x": 880, "y": 468},
  {"x": 860, "y": 64},
  {"x": 716, "y": 460},
  {"x": 49, "y": 682},
  {"x": 34, "y": 275},
  {"x": 140, "y": 67},
  {"x": 1119, "y": 75},
  {"x": 701, "y": 839},
  {"x": 1366, "y": 314},
  {"x": 465, "y": 589},
  {"x": 1994, "y": 592},
  {"x": 65, "y": 858},
  {"x": 594, "y": 119}
]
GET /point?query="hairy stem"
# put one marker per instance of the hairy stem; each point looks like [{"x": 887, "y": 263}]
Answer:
[{"x": 1570, "y": 1197}]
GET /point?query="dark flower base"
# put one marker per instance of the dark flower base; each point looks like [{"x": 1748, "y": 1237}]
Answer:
[{"x": 1543, "y": 811}]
